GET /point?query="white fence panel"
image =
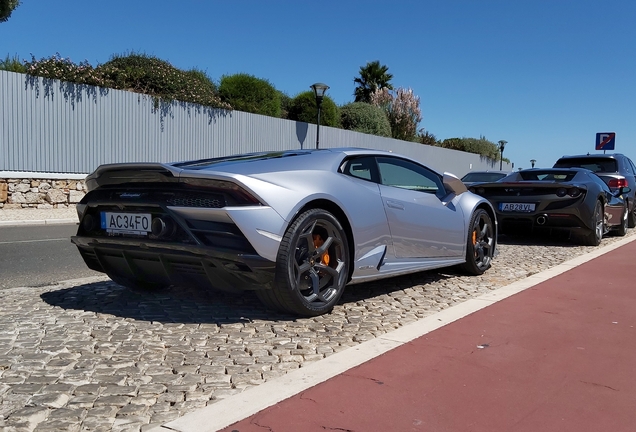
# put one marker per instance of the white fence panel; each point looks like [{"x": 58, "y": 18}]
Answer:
[{"x": 55, "y": 126}]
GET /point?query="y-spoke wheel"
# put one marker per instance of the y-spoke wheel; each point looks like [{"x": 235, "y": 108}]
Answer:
[
  {"x": 312, "y": 266},
  {"x": 598, "y": 222},
  {"x": 481, "y": 243}
]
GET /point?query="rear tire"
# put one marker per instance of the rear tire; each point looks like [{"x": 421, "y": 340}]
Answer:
[
  {"x": 631, "y": 219},
  {"x": 598, "y": 222},
  {"x": 311, "y": 272},
  {"x": 480, "y": 245}
]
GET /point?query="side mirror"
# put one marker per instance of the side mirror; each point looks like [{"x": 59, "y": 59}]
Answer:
[
  {"x": 621, "y": 191},
  {"x": 453, "y": 184}
]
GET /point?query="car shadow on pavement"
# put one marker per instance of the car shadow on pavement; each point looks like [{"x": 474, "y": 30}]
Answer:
[
  {"x": 172, "y": 305},
  {"x": 539, "y": 239},
  {"x": 195, "y": 305}
]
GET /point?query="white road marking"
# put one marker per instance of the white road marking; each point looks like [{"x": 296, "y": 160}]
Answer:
[{"x": 34, "y": 241}]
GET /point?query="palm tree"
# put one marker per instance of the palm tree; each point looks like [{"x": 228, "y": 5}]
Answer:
[
  {"x": 373, "y": 76},
  {"x": 6, "y": 7}
]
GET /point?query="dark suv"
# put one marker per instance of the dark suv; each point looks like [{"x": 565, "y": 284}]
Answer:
[{"x": 617, "y": 170}]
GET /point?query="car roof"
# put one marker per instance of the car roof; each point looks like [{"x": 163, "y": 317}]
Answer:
[
  {"x": 488, "y": 171},
  {"x": 593, "y": 155},
  {"x": 287, "y": 160},
  {"x": 555, "y": 169}
]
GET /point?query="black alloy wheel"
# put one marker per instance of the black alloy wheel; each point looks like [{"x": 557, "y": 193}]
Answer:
[
  {"x": 480, "y": 245},
  {"x": 312, "y": 267}
]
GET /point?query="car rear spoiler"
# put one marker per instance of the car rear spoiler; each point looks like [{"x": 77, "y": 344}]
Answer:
[{"x": 113, "y": 174}]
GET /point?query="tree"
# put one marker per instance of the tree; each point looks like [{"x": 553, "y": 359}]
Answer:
[
  {"x": 373, "y": 76},
  {"x": 6, "y": 7},
  {"x": 402, "y": 108}
]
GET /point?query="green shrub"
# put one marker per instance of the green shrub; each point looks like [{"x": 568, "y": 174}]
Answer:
[
  {"x": 250, "y": 94},
  {"x": 425, "y": 137},
  {"x": 58, "y": 67},
  {"x": 285, "y": 102},
  {"x": 149, "y": 75},
  {"x": 12, "y": 64},
  {"x": 480, "y": 146},
  {"x": 134, "y": 72},
  {"x": 303, "y": 108},
  {"x": 365, "y": 118}
]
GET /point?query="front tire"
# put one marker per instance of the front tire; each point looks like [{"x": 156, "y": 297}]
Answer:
[
  {"x": 480, "y": 245},
  {"x": 312, "y": 266},
  {"x": 621, "y": 230}
]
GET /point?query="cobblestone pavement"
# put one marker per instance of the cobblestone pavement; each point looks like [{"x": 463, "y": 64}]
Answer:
[{"x": 94, "y": 356}]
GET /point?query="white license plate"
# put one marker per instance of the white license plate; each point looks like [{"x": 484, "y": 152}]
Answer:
[
  {"x": 516, "y": 207},
  {"x": 126, "y": 223}
]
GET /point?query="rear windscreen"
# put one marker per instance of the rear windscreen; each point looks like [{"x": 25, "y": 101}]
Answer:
[
  {"x": 593, "y": 164},
  {"x": 483, "y": 177},
  {"x": 559, "y": 176}
]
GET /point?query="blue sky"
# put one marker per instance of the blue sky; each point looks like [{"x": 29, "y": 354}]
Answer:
[{"x": 544, "y": 75}]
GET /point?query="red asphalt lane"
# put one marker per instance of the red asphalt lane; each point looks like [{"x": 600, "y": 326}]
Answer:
[{"x": 560, "y": 356}]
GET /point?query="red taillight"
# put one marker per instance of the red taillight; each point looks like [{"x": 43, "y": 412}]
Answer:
[
  {"x": 236, "y": 194},
  {"x": 617, "y": 183}
]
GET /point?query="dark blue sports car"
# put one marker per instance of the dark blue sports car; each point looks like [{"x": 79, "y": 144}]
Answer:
[{"x": 568, "y": 199}]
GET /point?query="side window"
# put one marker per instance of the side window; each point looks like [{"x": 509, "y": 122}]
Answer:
[
  {"x": 631, "y": 165},
  {"x": 405, "y": 174},
  {"x": 363, "y": 168},
  {"x": 628, "y": 166}
]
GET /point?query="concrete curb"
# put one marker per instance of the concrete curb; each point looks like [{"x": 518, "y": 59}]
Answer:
[
  {"x": 38, "y": 222},
  {"x": 235, "y": 408}
]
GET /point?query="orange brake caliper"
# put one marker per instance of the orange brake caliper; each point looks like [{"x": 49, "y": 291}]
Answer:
[{"x": 318, "y": 241}]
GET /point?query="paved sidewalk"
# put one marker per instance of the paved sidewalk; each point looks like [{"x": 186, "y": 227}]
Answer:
[
  {"x": 559, "y": 356},
  {"x": 32, "y": 216}
]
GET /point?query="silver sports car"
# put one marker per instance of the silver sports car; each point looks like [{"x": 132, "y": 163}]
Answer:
[{"x": 295, "y": 226}]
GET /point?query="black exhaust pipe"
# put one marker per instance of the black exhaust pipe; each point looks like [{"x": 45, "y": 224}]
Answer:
[{"x": 162, "y": 227}]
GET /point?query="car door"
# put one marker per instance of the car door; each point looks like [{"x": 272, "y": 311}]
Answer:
[{"x": 421, "y": 225}]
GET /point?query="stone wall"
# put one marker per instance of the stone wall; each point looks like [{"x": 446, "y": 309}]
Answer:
[{"x": 40, "y": 193}]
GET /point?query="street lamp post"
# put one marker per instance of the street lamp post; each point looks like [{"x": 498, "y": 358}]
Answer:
[
  {"x": 502, "y": 145},
  {"x": 533, "y": 161},
  {"x": 319, "y": 90}
]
